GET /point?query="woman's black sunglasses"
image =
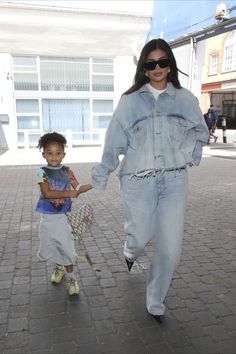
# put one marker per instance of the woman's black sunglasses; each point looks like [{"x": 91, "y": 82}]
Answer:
[{"x": 151, "y": 65}]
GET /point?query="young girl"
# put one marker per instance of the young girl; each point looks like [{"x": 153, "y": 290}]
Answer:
[{"x": 56, "y": 239}]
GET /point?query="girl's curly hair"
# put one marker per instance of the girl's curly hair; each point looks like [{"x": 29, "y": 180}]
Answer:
[{"x": 51, "y": 138}]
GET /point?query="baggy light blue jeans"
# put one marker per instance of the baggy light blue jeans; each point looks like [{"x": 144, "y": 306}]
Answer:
[{"x": 154, "y": 208}]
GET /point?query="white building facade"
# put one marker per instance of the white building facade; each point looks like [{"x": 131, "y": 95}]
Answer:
[{"x": 64, "y": 69}]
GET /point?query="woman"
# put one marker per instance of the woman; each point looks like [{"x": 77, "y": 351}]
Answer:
[{"x": 159, "y": 128}]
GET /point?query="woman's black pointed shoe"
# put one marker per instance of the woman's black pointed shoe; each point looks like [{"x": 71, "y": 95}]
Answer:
[
  {"x": 158, "y": 318},
  {"x": 129, "y": 264}
]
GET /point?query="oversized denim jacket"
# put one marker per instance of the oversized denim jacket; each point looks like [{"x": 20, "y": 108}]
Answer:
[{"x": 163, "y": 134}]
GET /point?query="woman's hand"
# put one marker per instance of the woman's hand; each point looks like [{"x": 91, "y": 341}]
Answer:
[{"x": 74, "y": 193}]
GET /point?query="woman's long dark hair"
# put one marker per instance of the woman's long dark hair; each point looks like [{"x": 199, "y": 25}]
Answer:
[{"x": 140, "y": 78}]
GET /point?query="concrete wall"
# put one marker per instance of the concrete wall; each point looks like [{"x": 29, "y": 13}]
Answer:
[{"x": 47, "y": 30}]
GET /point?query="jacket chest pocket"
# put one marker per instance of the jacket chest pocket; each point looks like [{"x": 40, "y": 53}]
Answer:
[{"x": 177, "y": 128}]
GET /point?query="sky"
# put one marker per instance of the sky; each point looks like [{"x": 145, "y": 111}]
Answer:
[{"x": 174, "y": 18}]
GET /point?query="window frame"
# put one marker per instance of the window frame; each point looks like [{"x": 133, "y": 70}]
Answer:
[
  {"x": 214, "y": 60},
  {"x": 24, "y": 69},
  {"x": 229, "y": 56},
  {"x": 101, "y": 113}
]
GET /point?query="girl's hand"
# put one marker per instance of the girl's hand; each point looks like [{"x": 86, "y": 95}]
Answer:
[{"x": 85, "y": 187}]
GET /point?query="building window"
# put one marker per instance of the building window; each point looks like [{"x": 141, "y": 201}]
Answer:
[
  {"x": 213, "y": 64},
  {"x": 21, "y": 138},
  {"x": 64, "y": 74},
  {"x": 81, "y": 117},
  {"x": 229, "y": 60},
  {"x": 24, "y": 63},
  {"x": 25, "y": 73},
  {"x": 28, "y": 122},
  {"x": 63, "y": 114},
  {"x": 102, "y": 113},
  {"x": 27, "y": 106},
  {"x": 27, "y": 114},
  {"x": 102, "y": 75}
]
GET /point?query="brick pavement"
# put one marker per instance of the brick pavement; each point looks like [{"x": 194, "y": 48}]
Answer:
[{"x": 109, "y": 316}]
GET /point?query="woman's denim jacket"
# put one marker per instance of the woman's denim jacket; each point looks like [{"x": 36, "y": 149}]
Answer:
[{"x": 163, "y": 134}]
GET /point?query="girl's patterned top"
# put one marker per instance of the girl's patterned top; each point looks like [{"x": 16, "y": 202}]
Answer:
[{"x": 59, "y": 179}]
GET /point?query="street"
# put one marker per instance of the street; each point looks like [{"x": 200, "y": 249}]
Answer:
[{"x": 109, "y": 315}]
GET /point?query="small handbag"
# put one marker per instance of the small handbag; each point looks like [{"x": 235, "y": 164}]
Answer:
[{"x": 81, "y": 219}]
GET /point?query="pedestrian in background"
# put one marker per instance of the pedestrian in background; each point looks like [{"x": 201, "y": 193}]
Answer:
[
  {"x": 211, "y": 120},
  {"x": 159, "y": 128},
  {"x": 58, "y": 185}
]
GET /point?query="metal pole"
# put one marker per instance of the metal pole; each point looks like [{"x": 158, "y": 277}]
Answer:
[
  {"x": 224, "y": 130},
  {"x": 82, "y": 107}
]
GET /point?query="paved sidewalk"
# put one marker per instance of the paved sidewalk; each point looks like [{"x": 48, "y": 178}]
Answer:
[{"x": 109, "y": 316}]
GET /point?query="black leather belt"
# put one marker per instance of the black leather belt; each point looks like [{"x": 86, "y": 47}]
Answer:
[{"x": 171, "y": 169}]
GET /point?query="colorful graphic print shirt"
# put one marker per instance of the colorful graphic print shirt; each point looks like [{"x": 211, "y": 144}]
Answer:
[{"x": 59, "y": 179}]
